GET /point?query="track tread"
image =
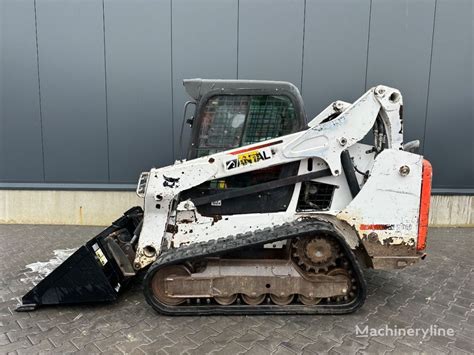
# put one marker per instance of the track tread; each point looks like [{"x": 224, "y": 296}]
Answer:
[{"x": 249, "y": 239}]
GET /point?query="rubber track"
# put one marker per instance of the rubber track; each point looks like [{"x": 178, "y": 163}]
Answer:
[{"x": 251, "y": 239}]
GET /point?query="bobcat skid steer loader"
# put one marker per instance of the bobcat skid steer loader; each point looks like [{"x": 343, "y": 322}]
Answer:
[{"x": 268, "y": 214}]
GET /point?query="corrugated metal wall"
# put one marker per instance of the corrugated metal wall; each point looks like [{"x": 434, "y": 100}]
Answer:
[{"x": 91, "y": 90}]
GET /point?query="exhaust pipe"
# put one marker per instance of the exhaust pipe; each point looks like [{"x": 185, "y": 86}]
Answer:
[{"x": 96, "y": 272}]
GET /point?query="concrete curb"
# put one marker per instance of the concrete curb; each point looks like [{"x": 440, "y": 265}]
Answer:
[{"x": 102, "y": 207}]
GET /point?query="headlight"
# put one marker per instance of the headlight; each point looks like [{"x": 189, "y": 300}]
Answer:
[{"x": 141, "y": 188}]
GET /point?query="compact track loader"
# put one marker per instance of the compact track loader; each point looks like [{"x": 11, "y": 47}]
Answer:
[{"x": 268, "y": 214}]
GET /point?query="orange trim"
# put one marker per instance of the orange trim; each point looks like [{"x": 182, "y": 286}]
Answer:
[
  {"x": 235, "y": 152},
  {"x": 424, "y": 204}
]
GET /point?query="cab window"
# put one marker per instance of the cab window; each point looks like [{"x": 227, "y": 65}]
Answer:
[{"x": 231, "y": 121}]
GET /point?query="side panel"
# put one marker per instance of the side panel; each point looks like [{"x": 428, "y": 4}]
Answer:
[
  {"x": 335, "y": 52},
  {"x": 271, "y": 40},
  {"x": 400, "y": 50},
  {"x": 21, "y": 155},
  {"x": 71, "y": 63},
  {"x": 450, "y": 122},
  {"x": 385, "y": 213},
  {"x": 204, "y": 37},
  {"x": 138, "y": 54}
]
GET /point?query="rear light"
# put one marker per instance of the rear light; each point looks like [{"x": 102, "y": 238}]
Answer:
[{"x": 424, "y": 204}]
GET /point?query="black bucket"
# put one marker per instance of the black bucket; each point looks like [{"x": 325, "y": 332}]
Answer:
[{"x": 92, "y": 274}]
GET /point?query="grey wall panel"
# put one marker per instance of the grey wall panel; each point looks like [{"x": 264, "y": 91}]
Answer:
[
  {"x": 106, "y": 105},
  {"x": 21, "y": 156},
  {"x": 138, "y": 53},
  {"x": 450, "y": 121},
  {"x": 399, "y": 55},
  {"x": 271, "y": 40},
  {"x": 335, "y": 52},
  {"x": 204, "y": 37},
  {"x": 72, "y": 75}
]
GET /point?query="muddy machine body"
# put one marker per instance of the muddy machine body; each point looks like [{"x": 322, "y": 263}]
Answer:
[{"x": 268, "y": 214}]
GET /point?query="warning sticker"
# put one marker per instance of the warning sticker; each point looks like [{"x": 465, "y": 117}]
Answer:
[{"x": 100, "y": 254}]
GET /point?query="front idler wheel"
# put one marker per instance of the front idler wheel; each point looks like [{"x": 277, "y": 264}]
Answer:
[{"x": 158, "y": 284}]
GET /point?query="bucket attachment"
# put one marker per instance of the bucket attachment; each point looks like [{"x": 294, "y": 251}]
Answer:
[{"x": 96, "y": 272}]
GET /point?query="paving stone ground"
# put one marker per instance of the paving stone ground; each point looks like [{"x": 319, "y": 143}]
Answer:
[{"x": 437, "y": 292}]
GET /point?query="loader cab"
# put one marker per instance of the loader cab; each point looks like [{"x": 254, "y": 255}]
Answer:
[{"x": 234, "y": 113}]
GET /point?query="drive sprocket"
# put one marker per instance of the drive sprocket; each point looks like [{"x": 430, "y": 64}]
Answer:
[{"x": 315, "y": 253}]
